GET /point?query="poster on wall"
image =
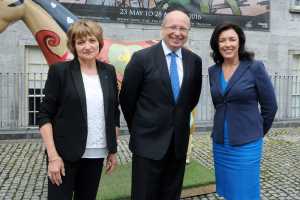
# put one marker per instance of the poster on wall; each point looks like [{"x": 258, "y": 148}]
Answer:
[{"x": 250, "y": 14}]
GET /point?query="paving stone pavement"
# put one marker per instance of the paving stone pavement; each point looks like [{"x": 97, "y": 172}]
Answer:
[{"x": 23, "y": 168}]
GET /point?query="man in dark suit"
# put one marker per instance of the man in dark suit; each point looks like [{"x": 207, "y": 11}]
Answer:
[{"x": 161, "y": 86}]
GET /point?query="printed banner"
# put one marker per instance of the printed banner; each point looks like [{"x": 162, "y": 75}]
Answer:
[{"x": 250, "y": 14}]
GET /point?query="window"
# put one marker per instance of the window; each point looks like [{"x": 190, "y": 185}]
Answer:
[
  {"x": 295, "y": 6},
  {"x": 295, "y": 98},
  {"x": 34, "y": 101},
  {"x": 36, "y": 75}
]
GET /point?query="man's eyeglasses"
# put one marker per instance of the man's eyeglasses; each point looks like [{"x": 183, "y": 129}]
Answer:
[{"x": 176, "y": 28}]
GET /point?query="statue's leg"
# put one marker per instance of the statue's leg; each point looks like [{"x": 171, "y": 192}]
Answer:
[{"x": 189, "y": 151}]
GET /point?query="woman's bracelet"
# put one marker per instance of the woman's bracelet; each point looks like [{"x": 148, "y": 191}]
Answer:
[{"x": 55, "y": 159}]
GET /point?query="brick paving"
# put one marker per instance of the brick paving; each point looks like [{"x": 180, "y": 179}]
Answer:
[{"x": 23, "y": 168}]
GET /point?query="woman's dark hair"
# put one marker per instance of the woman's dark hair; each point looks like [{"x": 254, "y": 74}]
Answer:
[{"x": 214, "y": 42}]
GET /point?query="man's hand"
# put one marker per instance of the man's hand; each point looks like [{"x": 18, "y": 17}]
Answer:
[{"x": 111, "y": 163}]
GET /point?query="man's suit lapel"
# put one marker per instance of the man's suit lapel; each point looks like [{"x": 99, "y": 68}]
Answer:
[
  {"x": 104, "y": 78},
  {"x": 186, "y": 65},
  {"x": 78, "y": 82},
  {"x": 162, "y": 63},
  {"x": 244, "y": 65}
]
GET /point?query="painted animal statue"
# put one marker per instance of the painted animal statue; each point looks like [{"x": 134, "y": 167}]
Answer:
[{"x": 48, "y": 21}]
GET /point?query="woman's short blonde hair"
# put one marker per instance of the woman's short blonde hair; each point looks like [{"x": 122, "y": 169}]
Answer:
[{"x": 81, "y": 29}]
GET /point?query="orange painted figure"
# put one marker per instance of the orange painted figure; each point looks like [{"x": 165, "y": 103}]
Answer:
[{"x": 48, "y": 21}]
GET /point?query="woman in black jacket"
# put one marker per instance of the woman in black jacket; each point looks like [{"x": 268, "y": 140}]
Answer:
[{"x": 79, "y": 117}]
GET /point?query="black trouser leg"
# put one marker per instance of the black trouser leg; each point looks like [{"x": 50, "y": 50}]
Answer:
[
  {"x": 172, "y": 178},
  {"x": 157, "y": 179},
  {"x": 82, "y": 178},
  {"x": 87, "y": 179},
  {"x": 65, "y": 190}
]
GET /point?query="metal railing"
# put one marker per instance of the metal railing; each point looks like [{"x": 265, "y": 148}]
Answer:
[{"x": 21, "y": 95}]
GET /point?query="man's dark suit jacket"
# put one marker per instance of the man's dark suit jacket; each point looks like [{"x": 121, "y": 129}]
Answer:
[
  {"x": 147, "y": 102},
  {"x": 64, "y": 106},
  {"x": 248, "y": 86}
]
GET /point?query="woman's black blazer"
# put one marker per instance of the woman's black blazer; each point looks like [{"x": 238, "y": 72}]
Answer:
[{"x": 64, "y": 106}]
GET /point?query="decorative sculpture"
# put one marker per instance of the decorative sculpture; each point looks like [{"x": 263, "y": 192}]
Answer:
[{"x": 48, "y": 21}]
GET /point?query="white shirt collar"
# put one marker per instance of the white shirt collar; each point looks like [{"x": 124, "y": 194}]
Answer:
[{"x": 167, "y": 50}]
